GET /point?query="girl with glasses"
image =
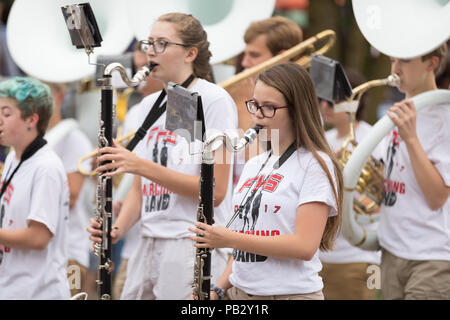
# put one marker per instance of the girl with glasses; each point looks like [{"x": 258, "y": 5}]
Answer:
[
  {"x": 287, "y": 201},
  {"x": 164, "y": 195}
]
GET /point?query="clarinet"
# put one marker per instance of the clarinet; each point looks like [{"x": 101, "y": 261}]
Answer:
[
  {"x": 205, "y": 210},
  {"x": 205, "y": 213},
  {"x": 103, "y": 196},
  {"x": 103, "y": 210}
]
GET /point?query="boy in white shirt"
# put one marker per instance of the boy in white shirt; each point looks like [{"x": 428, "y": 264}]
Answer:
[
  {"x": 344, "y": 270},
  {"x": 70, "y": 148},
  {"x": 414, "y": 223}
]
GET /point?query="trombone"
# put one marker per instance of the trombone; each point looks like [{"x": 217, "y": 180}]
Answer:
[
  {"x": 307, "y": 46},
  {"x": 326, "y": 37}
]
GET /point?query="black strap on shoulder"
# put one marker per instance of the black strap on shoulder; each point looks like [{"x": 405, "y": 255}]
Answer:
[
  {"x": 32, "y": 148},
  {"x": 153, "y": 116},
  {"x": 285, "y": 156}
]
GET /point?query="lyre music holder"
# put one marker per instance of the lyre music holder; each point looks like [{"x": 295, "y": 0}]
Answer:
[
  {"x": 184, "y": 113},
  {"x": 82, "y": 26},
  {"x": 329, "y": 79}
]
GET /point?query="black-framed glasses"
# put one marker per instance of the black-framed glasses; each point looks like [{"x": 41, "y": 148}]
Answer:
[
  {"x": 158, "y": 45},
  {"x": 268, "y": 111}
]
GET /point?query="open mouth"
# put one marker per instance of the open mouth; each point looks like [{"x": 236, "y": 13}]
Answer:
[{"x": 153, "y": 65}]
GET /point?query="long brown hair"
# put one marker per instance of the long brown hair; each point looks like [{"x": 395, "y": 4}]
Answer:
[
  {"x": 296, "y": 85},
  {"x": 192, "y": 34}
]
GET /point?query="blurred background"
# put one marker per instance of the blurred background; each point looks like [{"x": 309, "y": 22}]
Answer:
[{"x": 350, "y": 49}]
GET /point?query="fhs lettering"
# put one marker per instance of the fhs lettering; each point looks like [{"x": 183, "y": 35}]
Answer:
[
  {"x": 270, "y": 185},
  {"x": 167, "y": 136}
]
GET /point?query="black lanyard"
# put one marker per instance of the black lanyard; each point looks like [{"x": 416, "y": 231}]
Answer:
[
  {"x": 32, "y": 148},
  {"x": 277, "y": 165},
  {"x": 154, "y": 115}
]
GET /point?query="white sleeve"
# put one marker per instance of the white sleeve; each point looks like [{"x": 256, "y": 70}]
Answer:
[
  {"x": 316, "y": 187},
  {"x": 77, "y": 146},
  {"x": 46, "y": 197},
  {"x": 439, "y": 154}
]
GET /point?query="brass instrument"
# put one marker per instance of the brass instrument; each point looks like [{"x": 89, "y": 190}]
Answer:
[
  {"x": 370, "y": 182},
  {"x": 307, "y": 46},
  {"x": 395, "y": 35}
]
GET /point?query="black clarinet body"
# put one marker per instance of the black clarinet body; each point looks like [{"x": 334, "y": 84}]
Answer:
[
  {"x": 104, "y": 184},
  {"x": 205, "y": 210},
  {"x": 104, "y": 197},
  {"x": 205, "y": 214}
]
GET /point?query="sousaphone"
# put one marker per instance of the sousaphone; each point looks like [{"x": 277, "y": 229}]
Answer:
[
  {"x": 402, "y": 29},
  {"x": 38, "y": 43}
]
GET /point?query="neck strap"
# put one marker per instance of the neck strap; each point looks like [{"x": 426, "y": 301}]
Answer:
[
  {"x": 277, "y": 165},
  {"x": 286, "y": 154},
  {"x": 31, "y": 149}
]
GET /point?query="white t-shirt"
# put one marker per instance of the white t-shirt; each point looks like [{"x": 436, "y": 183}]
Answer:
[
  {"x": 70, "y": 149},
  {"x": 38, "y": 191},
  {"x": 272, "y": 212},
  {"x": 343, "y": 251},
  {"x": 165, "y": 214},
  {"x": 409, "y": 229},
  {"x": 133, "y": 121}
]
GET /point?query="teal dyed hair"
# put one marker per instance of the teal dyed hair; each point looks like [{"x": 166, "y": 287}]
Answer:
[{"x": 32, "y": 96}]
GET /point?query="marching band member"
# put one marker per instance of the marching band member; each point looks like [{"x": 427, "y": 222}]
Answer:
[
  {"x": 164, "y": 195},
  {"x": 78, "y": 242},
  {"x": 133, "y": 120},
  {"x": 287, "y": 199},
  {"x": 414, "y": 223},
  {"x": 34, "y": 197},
  {"x": 344, "y": 270},
  {"x": 264, "y": 39}
]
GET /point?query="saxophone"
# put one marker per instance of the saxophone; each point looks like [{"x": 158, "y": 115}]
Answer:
[{"x": 205, "y": 209}]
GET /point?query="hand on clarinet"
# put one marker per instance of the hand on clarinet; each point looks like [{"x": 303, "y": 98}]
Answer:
[
  {"x": 96, "y": 233},
  {"x": 123, "y": 160},
  {"x": 207, "y": 236}
]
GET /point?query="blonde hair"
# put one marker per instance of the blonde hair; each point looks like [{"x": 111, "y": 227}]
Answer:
[
  {"x": 294, "y": 82},
  {"x": 192, "y": 34},
  {"x": 441, "y": 53}
]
